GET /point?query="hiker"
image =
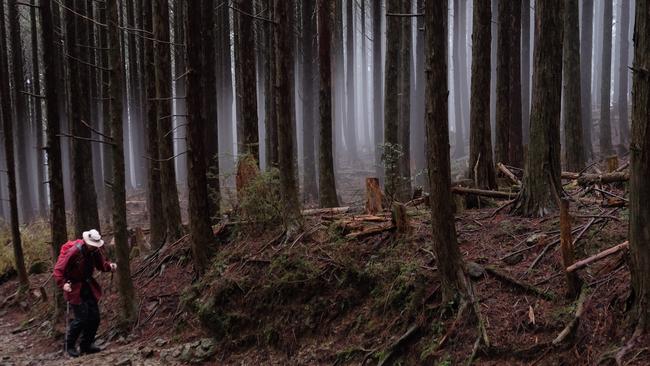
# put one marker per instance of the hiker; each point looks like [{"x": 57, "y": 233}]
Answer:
[{"x": 73, "y": 273}]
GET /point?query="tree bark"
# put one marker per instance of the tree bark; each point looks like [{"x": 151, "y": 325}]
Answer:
[
  {"x": 377, "y": 88},
  {"x": 163, "y": 70},
  {"x": 542, "y": 173},
  {"x": 209, "y": 109},
  {"x": 504, "y": 103},
  {"x": 326, "y": 179},
  {"x": 5, "y": 104},
  {"x": 624, "y": 50},
  {"x": 481, "y": 164},
  {"x": 309, "y": 74},
  {"x": 586, "y": 40},
  {"x": 516, "y": 149},
  {"x": 107, "y": 154},
  {"x": 573, "y": 149},
  {"x": 284, "y": 9},
  {"x": 640, "y": 167},
  {"x": 351, "y": 128},
  {"x": 125, "y": 285},
  {"x": 606, "y": 75},
  {"x": 38, "y": 115},
  {"x": 199, "y": 211},
  {"x": 404, "y": 126},
  {"x": 271, "y": 107},
  {"x": 442, "y": 217},
  {"x": 525, "y": 70},
  {"x": 459, "y": 149}
]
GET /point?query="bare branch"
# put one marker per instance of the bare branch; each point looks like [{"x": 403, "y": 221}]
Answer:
[
  {"x": 32, "y": 95},
  {"x": 96, "y": 131},
  {"x": 85, "y": 139},
  {"x": 175, "y": 128},
  {"x": 404, "y": 15},
  {"x": 167, "y": 159}
]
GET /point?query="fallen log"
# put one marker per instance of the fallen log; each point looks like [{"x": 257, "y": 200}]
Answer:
[
  {"x": 481, "y": 192},
  {"x": 595, "y": 258},
  {"x": 370, "y": 231},
  {"x": 502, "y": 168},
  {"x": 326, "y": 211},
  {"x": 615, "y": 177}
]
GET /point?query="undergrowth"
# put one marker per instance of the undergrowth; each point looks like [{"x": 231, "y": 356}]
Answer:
[{"x": 36, "y": 246}]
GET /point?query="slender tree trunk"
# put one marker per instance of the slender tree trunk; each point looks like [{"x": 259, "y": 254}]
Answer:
[
  {"x": 516, "y": 149},
  {"x": 21, "y": 110},
  {"x": 7, "y": 119},
  {"x": 154, "y": 191},
  {"x": 504, "y": 81},
  {"x": 199, "y": 210},
  {"x": 135, "y": 106},
  {"x": 125, "y": 285},
  {"x": 377, "y": 88},
  {"x": 542, "y": 173},
  {"x": 58, "y": 225},
  {"x": 459, "y": 149},
  {"x": 180, "y": 68},
  {"x": 573, "y": 149},
  {"x": 624, "y": 50},
  {"x": 404, "y": 128},
  {"x": 418, "y": 135},
  {"x": 163, "y": 72},
  {"x": 525, "y": 70},
  {"x": 481, "y": 164},
  {"x": 494, "y": 66},
  {"x": 585, "y": 75},
  {"x": 442, "y": 216},
  {"x": 38, "y": 115},
  {"x": 209, "y": 109},
  {"x": 283, "y": 9},
  {"x": 249, "y": 80},
  {"x": 327, "y": 182},
  {"x": 351, "y": 129},
  {"x": 271, "y": 106},
  {"x": 107, "y": 153},
  {"x": 391, "y": 98},
  {"x": 640, "y": 168},
  {"x": 310, "y": 188},
  {"x": 605, "y": 123}
]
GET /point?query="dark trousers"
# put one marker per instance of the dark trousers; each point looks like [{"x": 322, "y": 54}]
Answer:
[{"x": 85, "y": 323}]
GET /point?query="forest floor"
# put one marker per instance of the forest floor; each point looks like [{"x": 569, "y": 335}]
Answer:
[{"x": 346, "y": 289}]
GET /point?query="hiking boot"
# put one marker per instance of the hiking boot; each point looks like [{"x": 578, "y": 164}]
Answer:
[
  {"x": 90, "y": 349},
  {"x": 72, "y": 352}
]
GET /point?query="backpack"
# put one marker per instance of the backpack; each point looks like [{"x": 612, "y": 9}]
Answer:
[{"x": 69, "y": 245}]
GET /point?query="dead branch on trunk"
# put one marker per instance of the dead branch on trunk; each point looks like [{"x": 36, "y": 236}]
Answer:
[{"x": 597, "y": 257}]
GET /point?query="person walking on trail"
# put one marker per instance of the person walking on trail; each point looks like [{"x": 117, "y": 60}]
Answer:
[{"x": 73, "y": 273}]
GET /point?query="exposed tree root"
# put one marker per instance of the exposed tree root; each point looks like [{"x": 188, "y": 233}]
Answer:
[
  {"x": 394, "y": 349},
  {"x": 570, "y": 329},
  {"x": 519, "y": 284}
]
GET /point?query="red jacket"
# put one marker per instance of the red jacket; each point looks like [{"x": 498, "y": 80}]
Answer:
[{"x": 70, "y": 268}]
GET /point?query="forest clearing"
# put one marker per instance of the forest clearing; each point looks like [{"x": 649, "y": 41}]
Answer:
[{"x": 327, "y": 182}]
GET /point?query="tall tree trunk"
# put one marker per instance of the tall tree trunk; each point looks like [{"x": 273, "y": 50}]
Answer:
[
  {"x": 85, "y": 212},
  {"x": 481, "y": 164},
  {"x": 58, "y": 225},
  {"x": 163, "y": 71},
  {"x": 135, "y": 107},
  {"x": 624, "y": 50},
  {"x": 341, "y": 140},
  {"x": 209, "y": 108},
  {"x": 404, "y": 138},
  {"x": 459, "y": 149},
  {"x": 107, "y": 153},
  {"x": 125, "y": 285},
  {"x": 605, "y": 123},
  {"x": 5, "y": 104},
  {"x": 180, "y": 89},
  {"x": 327, "y": 182},
  {"x": 542, "y": 173},
  {"x": 391, "y": 99},
  {"x": 525, "y": 70},
  {"x": 504, "y": 81},
  {"x": 442, "y": 216},
  {"x": 418, "y": 135},
  {"x": 351, "y": 129},
  {"x": 154, "y": 191},
  {"x": 573, "y": 149},
  {"x": 585, "y": 75},
  {"x": 377, "y": 88},
  {"x": 283, "y": 9},
  {"x": 199, "y": 210},
  {"x": 494, "y": 66},
  {"x": 38, "y": 115},
  {"x": 516, "y": 149},
  {"x": 249, "y": 79},
  {"x": 22, "y": 113},
  {"x": 640, "y": 168},
  {"x": 271, "y": 112},
  {"x": 310, "y": 188}
]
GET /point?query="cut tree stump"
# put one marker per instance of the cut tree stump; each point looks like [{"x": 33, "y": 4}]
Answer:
[
  {"x": 374, "y": 196},
  {"x": 400, "y": 218},
  {"x": 612, "y": 163},
  {"x": 595, "y": 258}
]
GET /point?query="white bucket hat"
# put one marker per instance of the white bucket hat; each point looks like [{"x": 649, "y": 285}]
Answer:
[{"x": 93, "y": 238}]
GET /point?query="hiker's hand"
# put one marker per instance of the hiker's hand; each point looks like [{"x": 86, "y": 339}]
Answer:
[
  {"x": 67, "y": 287},
  {"x": 113, "y": 267}
]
